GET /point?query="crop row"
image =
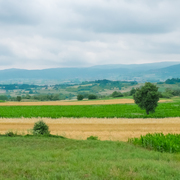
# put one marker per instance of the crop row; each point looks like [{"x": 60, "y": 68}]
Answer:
[{"x": 99, "y": 111}]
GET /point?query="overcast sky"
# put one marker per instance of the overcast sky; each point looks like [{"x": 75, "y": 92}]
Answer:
[{"x": 37, "y": 34}]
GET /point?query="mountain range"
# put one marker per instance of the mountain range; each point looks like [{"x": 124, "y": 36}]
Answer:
[{"x": 139, "y": 72}]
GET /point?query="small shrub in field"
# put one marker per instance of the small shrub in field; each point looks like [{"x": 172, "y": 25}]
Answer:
[
  {"x": 80, "y": 97},
  {"x": 158, "y": 142},
  {"x": 92, "y": 138},
  {"x": 41, "y": 128},
  {"x": 11, "y": 134}
]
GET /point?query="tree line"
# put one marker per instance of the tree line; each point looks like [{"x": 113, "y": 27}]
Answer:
[{"x": 39, "y": 97}]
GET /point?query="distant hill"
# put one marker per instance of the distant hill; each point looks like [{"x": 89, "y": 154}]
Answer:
[
  {"x": 138, "y": 72},
  {"x": 142, "y": 67},
  {"x": 167, "y": 72},
  {"x": 62, "y": 73}
]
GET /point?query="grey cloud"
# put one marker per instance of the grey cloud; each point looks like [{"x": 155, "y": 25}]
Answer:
[
  {"x": 5, "y": 51},
  {"x": 165, "y": 48},
  {"x": 155, "y": 18},
  {"x": 72, "y": 62},
  {"x": 5, "y": 61},
  {"x": 17, "y": 12}
]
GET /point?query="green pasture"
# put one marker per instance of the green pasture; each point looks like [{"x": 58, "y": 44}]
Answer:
[
  {"x": 170, "y": 109},
  {"x": 39, "y": 158}
]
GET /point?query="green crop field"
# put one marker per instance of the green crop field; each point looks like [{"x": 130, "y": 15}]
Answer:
[
  {"x": 158, "y": 142},
  {"x": 171, "y": 109},
  {"x": 39, "y": 158}
]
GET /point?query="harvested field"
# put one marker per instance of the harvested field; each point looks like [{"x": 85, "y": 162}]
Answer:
[
  {"x": 66, "y": 103},
  {"x": 106, "y": 129}
]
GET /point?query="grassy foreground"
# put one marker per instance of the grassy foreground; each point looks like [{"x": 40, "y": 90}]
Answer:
[
  {"x": 171, "y": 109},
  {"x": 40, "y": 158}
]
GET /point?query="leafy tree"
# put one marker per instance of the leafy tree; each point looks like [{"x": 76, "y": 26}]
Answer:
[
  {"x": 80, "y": 97},
  {"x": 147, "y": 97},
  {"x": 54, "y": 97},
  {"x": 117, "y": 94},
  {"x": 19, "y": 98},
  {"x": 92, "y": 96},
  {"x": 132, "y": 92},
  {"x": 3, "y": 97},
  {"x": 172, "y": 81}
]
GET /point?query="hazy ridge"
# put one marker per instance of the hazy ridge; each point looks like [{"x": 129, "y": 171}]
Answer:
[{"x": 139, "y": 72}]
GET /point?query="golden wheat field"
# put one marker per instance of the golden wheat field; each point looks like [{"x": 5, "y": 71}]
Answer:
[
  {"x": 66, "y": 103},
  {"x": 106, "y": 129}
]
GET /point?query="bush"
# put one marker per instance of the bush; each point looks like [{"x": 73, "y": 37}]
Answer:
[
  {"x": 41, "y": 128},
  {"x": 92, "y": 96},
  {"x": 11, "y": 134},
  {"x": 117, "y": 94},
  {"x": 92, "y": 138},
  {"x": 80, "y": 97}
]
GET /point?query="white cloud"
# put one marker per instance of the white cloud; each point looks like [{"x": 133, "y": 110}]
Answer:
[{"x": 52, "y": 33}]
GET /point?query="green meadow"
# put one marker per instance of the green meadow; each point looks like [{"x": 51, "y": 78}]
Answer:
[{"x": 39, "y": 158}]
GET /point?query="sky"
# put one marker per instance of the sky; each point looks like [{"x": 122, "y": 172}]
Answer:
[{"x": 39, "y": 34}]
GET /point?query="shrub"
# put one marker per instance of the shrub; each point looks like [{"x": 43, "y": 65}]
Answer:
[
  {"x": 92, "y": 96},
  {"x": 80, "y": 97},
  {"x": 11, "y": 134},
  {"x": 92, "y": 138},
  {"x": 117, "y": 94},
  {"x": 41, "y": 128}
]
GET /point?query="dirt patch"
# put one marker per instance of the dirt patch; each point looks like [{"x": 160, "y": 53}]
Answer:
[
  {"x": 106, "y": 129},
  {"x": 66, "y": 103}
]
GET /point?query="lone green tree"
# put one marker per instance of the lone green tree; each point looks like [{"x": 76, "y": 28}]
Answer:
[{"x": 147, "y": 97}]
